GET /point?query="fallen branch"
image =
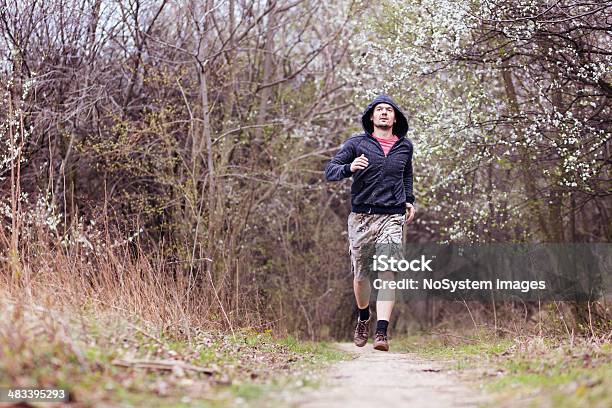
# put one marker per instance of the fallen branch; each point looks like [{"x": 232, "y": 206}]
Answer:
[{"x": 169, "y": 365}]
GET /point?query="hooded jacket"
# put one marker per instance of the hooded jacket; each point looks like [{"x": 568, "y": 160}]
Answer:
[{"x": 385, "y": 186}]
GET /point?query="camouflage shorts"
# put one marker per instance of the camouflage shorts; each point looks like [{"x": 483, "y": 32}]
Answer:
[{"x": 364, "y": 229}]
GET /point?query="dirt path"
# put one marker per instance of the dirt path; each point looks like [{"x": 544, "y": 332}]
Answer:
[{"x": 376, "y": 378}]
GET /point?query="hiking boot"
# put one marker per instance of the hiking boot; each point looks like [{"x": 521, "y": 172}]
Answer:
[
  {"x": 380, "y": 341},
  {"x": 362, "y": 332}
]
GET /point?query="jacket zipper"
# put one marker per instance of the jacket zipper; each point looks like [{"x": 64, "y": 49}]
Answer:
[{"x": 384, "y": 155}]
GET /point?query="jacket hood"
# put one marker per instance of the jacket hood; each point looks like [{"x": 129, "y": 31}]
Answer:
[{"x": 400, "y": 127}]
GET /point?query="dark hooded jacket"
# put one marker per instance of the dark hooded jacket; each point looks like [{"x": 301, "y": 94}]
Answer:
[{"x": 385, "y": 186}]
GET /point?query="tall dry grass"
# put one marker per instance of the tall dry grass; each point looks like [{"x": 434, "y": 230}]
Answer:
[{"x": 124, "y": 279}]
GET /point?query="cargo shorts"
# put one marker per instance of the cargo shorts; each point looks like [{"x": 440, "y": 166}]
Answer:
[{"x": 368, "y": 231}]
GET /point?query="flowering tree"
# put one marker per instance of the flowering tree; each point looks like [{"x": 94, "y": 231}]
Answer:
[{"x": 510, "y": 113}]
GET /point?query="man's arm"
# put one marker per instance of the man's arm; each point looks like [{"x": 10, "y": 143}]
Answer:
[
  {"x": 408, "y": 179},
  {"x": 339, "y": 166}
]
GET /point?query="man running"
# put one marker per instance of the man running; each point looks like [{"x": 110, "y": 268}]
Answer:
[{"x": 380, "y": 162}]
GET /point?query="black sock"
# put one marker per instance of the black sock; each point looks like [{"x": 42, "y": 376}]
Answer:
[
  {"x": 364, "y": 314},
  {"x": 382, "y": 325}
]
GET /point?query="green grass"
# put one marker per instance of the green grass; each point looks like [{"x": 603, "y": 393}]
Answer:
[
  {"x": 320, "y": 351},
  {"x": 248, "y": 366},
  {"x": 559, "y": 378},
  {"x": 462, "y": 355},
  {"x": 545, "y": 371},
  {"x": 315, "y": 355}
]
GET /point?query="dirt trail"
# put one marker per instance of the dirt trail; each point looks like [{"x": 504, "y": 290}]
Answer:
[{"x": 389, "y": 379}]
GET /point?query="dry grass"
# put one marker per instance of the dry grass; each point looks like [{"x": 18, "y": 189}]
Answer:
[
  {"x": 124, "y": 279},
  {"x": 119, "y": 325},
  {"x": 524, "y": 369}
]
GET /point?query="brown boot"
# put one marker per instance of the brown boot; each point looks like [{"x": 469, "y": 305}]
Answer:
[
  {"x": 362, "y": 332},
  {"x": 380, "y": 341}
]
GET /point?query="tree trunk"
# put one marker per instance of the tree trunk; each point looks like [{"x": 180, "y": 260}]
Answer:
[
  {"x": 267, "y": 75},
  {"x": 525, "y": 167}
]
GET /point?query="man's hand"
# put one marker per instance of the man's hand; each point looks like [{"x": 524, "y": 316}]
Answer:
[
  {"x": 359, "y": 163},
  {"x": 411, "y": 211}
]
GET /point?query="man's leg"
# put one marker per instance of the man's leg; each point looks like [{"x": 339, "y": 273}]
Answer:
[
  {"x": 363, "y": 289},
  {"x": 386, "y": 298},
  {"x": 389, "y": 234},
  {"x": 384, "y": 306},
  {"x": 358, "y": 234}
]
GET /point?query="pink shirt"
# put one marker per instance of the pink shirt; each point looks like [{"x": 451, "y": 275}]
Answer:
[{"x": 386, "y": 144}]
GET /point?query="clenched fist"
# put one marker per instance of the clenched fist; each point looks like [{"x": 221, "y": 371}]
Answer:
[
  {"x": 411, "y": 211},
  {"x": 359, "y": 163}
]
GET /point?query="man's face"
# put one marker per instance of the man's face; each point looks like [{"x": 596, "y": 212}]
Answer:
[{"x": 383, "y": 116}]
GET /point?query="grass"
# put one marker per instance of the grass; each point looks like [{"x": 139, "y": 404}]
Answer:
[
  {"x": 119, "y": 326},
  {"x": 530, "y": 370},
  {"x": 320, "y": 351},
  {"x": 47, "y": 348}
]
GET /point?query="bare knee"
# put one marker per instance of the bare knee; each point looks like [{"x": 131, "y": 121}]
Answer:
[{"x": 361, "y": 280}]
